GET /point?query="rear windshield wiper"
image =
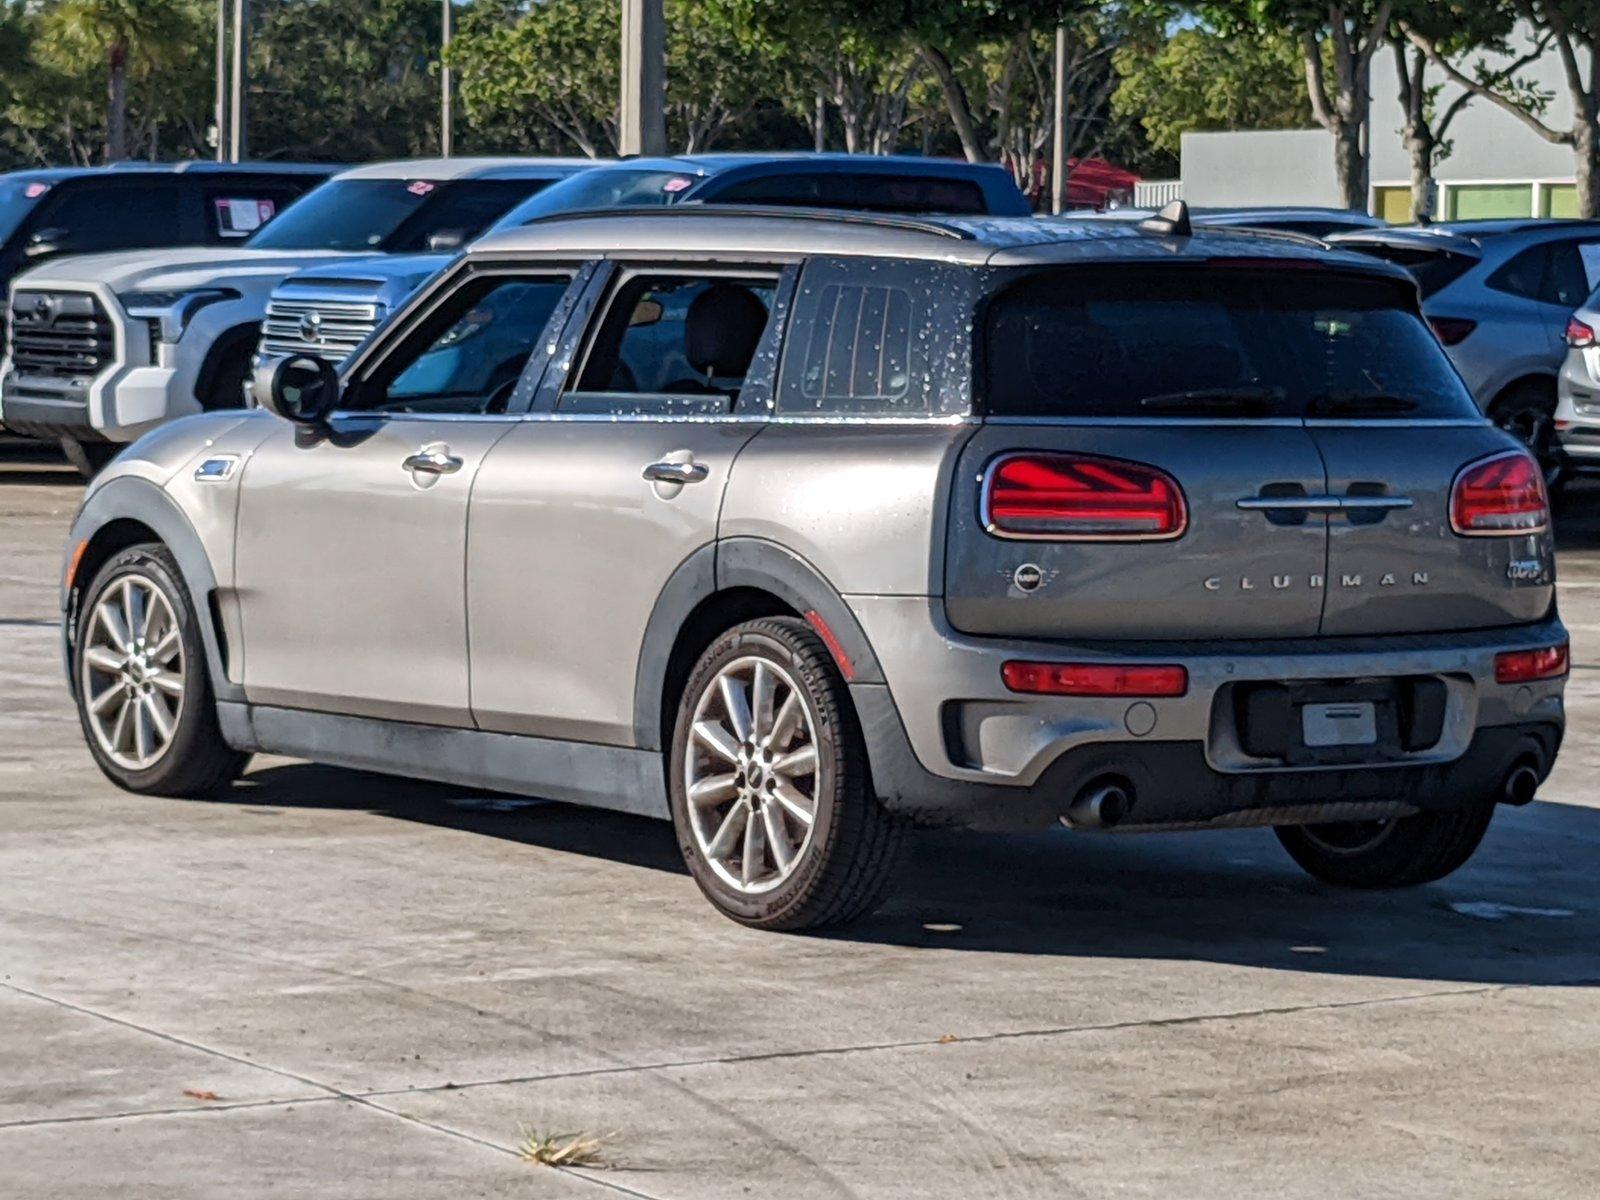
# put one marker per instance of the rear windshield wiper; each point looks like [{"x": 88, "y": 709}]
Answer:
[
  {"x": 1358, "y": 404},
  {"x": 1252, "y": 401}
]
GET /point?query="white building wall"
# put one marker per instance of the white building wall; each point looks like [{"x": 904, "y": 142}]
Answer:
[{"x": 1296, "y": 166}]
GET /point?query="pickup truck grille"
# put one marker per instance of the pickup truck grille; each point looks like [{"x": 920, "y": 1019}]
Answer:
[
  {"x": 326, "y": 329},
  {"x": 59, "y": 335}
]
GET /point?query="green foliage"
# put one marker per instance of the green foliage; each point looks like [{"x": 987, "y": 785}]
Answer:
[{"x": 1202, "y": 80}]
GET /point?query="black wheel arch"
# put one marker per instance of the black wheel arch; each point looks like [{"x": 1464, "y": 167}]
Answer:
[
  {"x": 719, "y": 586},
  {"x": 122, "y": 513}
]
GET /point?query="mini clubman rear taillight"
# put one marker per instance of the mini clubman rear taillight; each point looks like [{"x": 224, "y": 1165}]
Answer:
[
  {"x": 1500, "y": 496},
  {"x": 1081, "y": 497}
]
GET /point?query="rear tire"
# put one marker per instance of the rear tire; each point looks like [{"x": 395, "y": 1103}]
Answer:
[
  {"x": 144, "y": 693},
  {"x": 783, "y": 830},
  {"x": 1527, "y": 411},
  {"x": 1401, "y": 853}
]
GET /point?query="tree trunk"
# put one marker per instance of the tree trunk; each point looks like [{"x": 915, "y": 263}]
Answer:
[
  {"x": 1419, "y": 143},
  {"x": 955, "y": 98},
  {"x": 1350, "y": 166},
  {"x": 117, "y": 102},
  {"x": 1586, "y": 148}
]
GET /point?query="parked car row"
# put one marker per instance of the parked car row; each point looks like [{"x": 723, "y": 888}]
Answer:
[
  {"x": 1501, "y": 295},
  {"x": 795, "y": 529},
  {"x": 107, "y": 346}
]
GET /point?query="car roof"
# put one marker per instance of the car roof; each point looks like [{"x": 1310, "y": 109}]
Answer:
[
  {"x": 186, "y": 167},
  {"x": 471, "y": 168},
  {"x": 973, "y": 241},
  {"x": 806, "y": 160},
  {"x": 1462, "y": 237}
]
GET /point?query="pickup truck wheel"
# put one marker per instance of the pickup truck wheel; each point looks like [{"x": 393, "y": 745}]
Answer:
[
  {"x": 140, "y": 672},
  {"x": 1403, "y": 852},
  {"x": 771, "y": 798}
]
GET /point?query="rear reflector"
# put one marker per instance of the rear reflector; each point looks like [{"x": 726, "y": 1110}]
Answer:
[
  {"x": 1524, "y": 666},
  {"x": 1451, "y": 330},
  {"x": 1500, "y": 496},
  {"x": 1579, "y": 335},
  {"x": 1080, "y": 497},
  {"x": 1094, "y": 679}
]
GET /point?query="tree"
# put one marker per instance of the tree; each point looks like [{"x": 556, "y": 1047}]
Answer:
[
  {"x": 1199, "y": 79},
  {"x": 1337, "y": 42},
  {"x": 137, "y": 38},
  {"x": 1572, "y": 27}
]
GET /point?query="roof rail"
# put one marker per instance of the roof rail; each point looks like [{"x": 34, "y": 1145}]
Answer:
[{"x": 834, "y": 216}]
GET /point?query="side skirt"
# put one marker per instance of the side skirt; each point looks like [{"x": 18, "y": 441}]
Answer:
[{"x": 612, "y": 777}]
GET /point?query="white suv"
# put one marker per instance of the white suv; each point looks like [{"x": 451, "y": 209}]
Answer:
[{"x": 182, "y": 324}]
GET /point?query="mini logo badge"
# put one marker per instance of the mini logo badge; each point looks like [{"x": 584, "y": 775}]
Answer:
[{"x": 1028, "y": 577}]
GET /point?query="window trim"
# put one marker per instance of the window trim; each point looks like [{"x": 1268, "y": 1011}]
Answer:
[
  {"x": 426, "y": 303},
  {"x": 578, "y": 342}
]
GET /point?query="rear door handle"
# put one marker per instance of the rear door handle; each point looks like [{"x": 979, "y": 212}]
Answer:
[
  {"x": 676, "y": 472},
  {"x": 432, "y": 460}
]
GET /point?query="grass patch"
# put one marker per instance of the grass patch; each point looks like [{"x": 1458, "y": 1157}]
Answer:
[{"x": 563, "y": 1149}]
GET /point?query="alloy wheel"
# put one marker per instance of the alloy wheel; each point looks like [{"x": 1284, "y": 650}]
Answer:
[
  {"x": 1535, "y": 429},
  {"x": 751, "y": 775},
  {"x": 131, "y": 672}
]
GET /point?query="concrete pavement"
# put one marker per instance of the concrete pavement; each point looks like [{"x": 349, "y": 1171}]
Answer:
[{"x": 383, "y": 984}]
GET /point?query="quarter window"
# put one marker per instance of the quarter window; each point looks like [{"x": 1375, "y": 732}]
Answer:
[
  {"x": 1524, "y": 274},
  {"x": 675, "y": 343},
  {"x": 469, "y": 355}
]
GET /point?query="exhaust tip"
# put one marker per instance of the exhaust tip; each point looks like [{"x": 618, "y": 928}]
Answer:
[
  {"x": 1101, "y": 804},
  {"x": 1521, "y": 785}
]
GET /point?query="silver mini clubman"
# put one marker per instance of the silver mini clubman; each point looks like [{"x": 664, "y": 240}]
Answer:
[{"x": 798, "y": 529}]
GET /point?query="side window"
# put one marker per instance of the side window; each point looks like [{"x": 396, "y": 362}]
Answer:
[
  {"x": 674, "y": 343},
  {"x": 1524, "y": 274},
  {"x": 467, "y": 356},
  {"x": 1566, "y": 283},
  {"x": 879, "y": 338},
  {"x": 876, "y": 192},
  {"x": 123, "y": 216}
]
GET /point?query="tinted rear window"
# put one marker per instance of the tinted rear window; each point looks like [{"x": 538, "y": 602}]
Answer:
[
  {"x": 1196, "y": 341},
  {"x": 866, "y": 192}
]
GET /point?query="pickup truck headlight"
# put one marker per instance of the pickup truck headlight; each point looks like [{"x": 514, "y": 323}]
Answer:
[{"x": 169, "y": 313}]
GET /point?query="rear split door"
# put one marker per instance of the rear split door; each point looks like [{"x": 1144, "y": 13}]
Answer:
[{"x": 1136, "y": 420}]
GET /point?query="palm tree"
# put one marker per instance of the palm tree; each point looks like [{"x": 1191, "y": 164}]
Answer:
[{"x": 132, "y": 37}]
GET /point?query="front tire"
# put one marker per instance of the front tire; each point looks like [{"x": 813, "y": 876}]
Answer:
[
  {"x": 1400, "y": 853},
  {"x": 771, "y": 797},
  {"x": 139, "y": 666}
]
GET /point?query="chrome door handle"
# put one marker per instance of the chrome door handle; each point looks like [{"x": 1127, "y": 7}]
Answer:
[
  {"x": 432, "y": 461},
  {"x": 1297, "y": 503},
  {"x": 676, "y": 472},
  {"x": 1323, "y": 503}
]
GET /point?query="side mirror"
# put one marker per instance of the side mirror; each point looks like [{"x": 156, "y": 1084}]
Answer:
[
  {"x": 446, "y": 239},
  {"x": 299, "y": 388},
  {"x": 48, "y": 241}
]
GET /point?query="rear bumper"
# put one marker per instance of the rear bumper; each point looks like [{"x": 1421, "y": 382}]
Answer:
[{"x": 949, "y": 743}]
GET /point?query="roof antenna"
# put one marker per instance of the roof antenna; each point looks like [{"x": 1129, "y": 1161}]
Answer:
[{"x": 1171, "y": 221}]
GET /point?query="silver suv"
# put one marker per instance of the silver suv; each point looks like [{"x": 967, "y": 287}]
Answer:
[{"x": 797, "y": 529}]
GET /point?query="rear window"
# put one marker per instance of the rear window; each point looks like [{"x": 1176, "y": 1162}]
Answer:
[
  {"x": 864, "y": 192},
  {"x": 1192, "y": 341}
]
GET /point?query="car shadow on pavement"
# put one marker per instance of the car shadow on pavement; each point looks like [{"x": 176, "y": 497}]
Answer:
[{"x": 1524, "y": 911}]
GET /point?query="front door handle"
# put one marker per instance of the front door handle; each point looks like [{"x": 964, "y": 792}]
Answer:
[
  {"x": 432, "y": 460},
  {"x": 676, "y": 472}
]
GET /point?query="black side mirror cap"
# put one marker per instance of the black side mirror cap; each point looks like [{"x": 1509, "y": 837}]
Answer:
[{"x": 300, "y": 388}]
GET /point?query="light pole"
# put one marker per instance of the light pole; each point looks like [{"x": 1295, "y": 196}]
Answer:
[
  {"x": 447, "y": 115},
  {"x": 238, "y": 144},
  {"x": 222, "y": 81},
  {"x": 1059, "y": 167},
  {"x": 644, "y": 78}
]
